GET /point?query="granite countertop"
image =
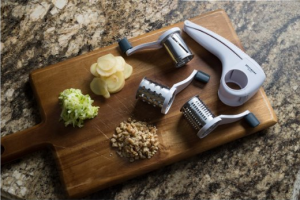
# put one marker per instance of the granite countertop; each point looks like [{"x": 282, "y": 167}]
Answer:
[{"x": 265, "y": 165}]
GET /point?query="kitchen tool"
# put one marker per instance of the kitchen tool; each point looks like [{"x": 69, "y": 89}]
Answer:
[
  {"x": 85, "y": 159},
  {"x": 202, "y": 119},
  {"x": 171, "y": 40},
  {"x": 162, "y": 96},
  {"x": 238, "y": 67}
]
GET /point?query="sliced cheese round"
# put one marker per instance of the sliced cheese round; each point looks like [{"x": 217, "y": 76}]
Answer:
[
  {"x": 120, "y": 63},
  {"x": 104, "y": 73},
  {"x": 99, "y": 87},
  {"x": 127, "y": 71},
  {"x": 115, "y": 82},
  {"x": 93, "y": 69},
  {"x": 106, "y": 62}
]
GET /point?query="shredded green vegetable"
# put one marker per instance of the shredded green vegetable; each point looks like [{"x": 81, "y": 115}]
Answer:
[{"x": 76, "y": 107}]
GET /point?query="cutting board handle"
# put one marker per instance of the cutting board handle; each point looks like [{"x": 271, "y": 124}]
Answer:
[{"x": 24, "y": 142}]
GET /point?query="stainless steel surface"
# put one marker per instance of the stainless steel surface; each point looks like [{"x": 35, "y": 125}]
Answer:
[
  {"x": 177, "y": 49},
  {"x": 151, "y": 92},
  {"x": 196, "y": 112}
]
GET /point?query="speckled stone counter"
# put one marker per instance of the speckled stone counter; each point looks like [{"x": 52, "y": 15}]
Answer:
[{"x": 265, "y": 165}]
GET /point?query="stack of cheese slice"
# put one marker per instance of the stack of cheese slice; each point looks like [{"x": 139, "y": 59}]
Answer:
[{"x": 110, "y": 73}]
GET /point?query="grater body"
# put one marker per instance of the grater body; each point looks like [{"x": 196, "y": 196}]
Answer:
[
  {"x": 153, "y": 93},
  {"x": 177, "y": 49},
  {"x": 197, "y": 113}
]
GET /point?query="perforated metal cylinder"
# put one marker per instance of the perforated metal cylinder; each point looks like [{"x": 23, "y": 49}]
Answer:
[
  {"x": 177, "y": 49},
  {"x": 151, "y": 92},
  {"x": 196, "y": 112}
]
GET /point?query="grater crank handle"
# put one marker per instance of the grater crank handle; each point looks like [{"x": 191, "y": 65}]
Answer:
[
  {"x": 150, "y": 45},
  {"x": 126, "y": 47},
  {"x": 198, "y": 75},
  {"x": 226, "y": 119},
  {"x": 183, "y": 84}
]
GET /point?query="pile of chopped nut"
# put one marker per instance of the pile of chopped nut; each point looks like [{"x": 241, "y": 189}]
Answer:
[{"x": 135, "y": 140}]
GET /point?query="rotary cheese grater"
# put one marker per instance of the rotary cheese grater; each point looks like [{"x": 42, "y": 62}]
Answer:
[
  {"x": 204, "y": 121},
  {"x": 238, "y": 67},
  {"x": 171, "y": 40},
  {"x": 162, "y": 96},
  {"x": 153, "y": 93}
]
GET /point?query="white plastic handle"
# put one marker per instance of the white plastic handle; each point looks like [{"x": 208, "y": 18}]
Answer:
[
  {"x": 214, "y": 42},
  {"x": 227, "y": 119},
  {"x": 175, "y": 89},
  {"x": 183, "y": 84},
  {"x": 150, "y": 45},
  {"x": 238, "y": 67},
  {"x": 220, "y": 120}
]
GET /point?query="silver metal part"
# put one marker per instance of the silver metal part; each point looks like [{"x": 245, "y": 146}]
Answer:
[
  {"x": 159, "y": 95},
  {"x": 197, "y": 113},
  {"x": 177, "y": 49},
  {"x": 170, "y": 39},
  {"x": 151, "y": 92},
  {"x": 202, "y": 119}
]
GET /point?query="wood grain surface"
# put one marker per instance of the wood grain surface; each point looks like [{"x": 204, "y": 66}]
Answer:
[{"x": 85, "y": 160}]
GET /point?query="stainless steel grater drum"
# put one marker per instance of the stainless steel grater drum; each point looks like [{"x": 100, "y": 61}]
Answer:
[
  {"x": 154, "y": 93},
  {"x": 171, "y": 40},
  {"x": 162, "y": 96},
  {"x": 204, "y": 121},
  {"x": 198, "y": 115},
  {"x": 177, "y": 49}
]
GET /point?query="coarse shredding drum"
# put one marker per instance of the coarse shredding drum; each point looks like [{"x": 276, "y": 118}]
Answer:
[
  {"x": 153, "y": 93},
  {"x": 162, "y": 96},
  {"x": 204, "y": 121}
]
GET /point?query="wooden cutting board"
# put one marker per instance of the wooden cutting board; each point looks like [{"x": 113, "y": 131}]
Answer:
[{"x": 85, "y": 160}]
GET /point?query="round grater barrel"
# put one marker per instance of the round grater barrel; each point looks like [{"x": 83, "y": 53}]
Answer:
[
  {"x": 196, "y": 112},
  {"x": 162, "y": 96},
  {"x": 153, "y": 93},
  {"x": 177, "y": 49},
  {"x": 202, "y": 119},
  {"x": 199, "y": 116}
]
